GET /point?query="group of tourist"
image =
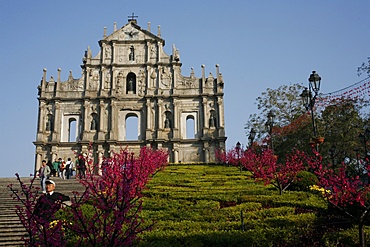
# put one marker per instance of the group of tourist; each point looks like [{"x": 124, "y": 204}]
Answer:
[
  {"x": 50, "y": 201},
  {"x": 62, "y": 169}
]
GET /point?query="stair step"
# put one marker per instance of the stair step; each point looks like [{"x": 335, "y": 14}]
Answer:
[{"x": 11, "y": 229}]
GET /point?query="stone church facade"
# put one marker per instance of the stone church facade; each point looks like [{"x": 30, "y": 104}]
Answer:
[{"x": 131, "y": 79}]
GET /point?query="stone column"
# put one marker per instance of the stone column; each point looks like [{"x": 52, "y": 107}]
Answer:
[
  {"x": 43, "y": 83},
  {"x": 103, "y": 117},
  {"x": 53, "y": 156},
  {"x": 42, "y": 116},
  {"x": 176, "y": 155},
  {"x": 205, "y": 113},
  {"x": 100, "y": 159},
  {"x": 149, "y": 120},
  {"x": 86, "y": 121},
  {"x": 102, "y": 120},
  {"x": 176, "y": 119},
  {"x": 221, "y": 111},
  {"x": 114, "y": 121},
  {"x": 103, "y": 57},
  {"x": 159, "y": 51},
  {"x": 38, "y": 160},
  {"x": 203, "y": 76},
  {"x": 205, "y": 152},
  {"x": 113, "y": 53},
  {"x": 57, "y": 122},
  {"x": 160, "y": 115},
  {"x": 147, "y": 52}
]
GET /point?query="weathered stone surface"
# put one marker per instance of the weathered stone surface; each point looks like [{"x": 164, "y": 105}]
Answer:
[{"x": 131, "y": 77}]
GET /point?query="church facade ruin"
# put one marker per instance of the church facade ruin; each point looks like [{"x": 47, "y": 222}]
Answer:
[{"x": 131, "y": 80}]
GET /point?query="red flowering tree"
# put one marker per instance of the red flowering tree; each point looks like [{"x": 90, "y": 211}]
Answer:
[
  {"x": 263, "y": 165},
  {"x": 107, "y": 213},
  {"x": 349, "y": 194},
  {"x": 40, "y": 231}
]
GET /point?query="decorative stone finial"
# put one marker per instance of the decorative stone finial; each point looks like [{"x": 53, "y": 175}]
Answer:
[{"x": 59, "y": 70}]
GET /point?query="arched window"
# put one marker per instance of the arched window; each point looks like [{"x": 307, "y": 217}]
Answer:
[
  {"x": 190, "y": 127},
  {"x": 131, "y": 83},
  {"x": 72, "y": 130},
  {"x": 132, "y": 127}
]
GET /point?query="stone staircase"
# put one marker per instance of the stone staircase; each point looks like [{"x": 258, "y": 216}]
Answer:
[{"x": 11, "y": 229}]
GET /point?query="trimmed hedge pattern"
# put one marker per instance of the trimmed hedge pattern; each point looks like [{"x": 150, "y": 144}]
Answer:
[{"x": 204, "y": 205}]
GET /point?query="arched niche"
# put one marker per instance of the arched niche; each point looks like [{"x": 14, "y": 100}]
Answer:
[{"x": 131, "y": 83}]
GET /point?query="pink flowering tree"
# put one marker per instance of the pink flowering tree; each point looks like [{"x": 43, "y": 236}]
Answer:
[
  {"x": 263, "y": 165},
  {"x": 114, "y": 199},
  {"x": 40, "y": 231},
  {"x": 349, "y": 194},
  {"x": 107, "y": 212}
]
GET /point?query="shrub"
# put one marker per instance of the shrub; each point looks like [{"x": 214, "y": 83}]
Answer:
[{"x": 304, "y": 180}]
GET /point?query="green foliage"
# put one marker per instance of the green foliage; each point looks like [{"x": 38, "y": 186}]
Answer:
[
  {"x": 203, "y": 205},
  {"x": 345, "y": 237},
  {"x": 341, "y": 122},
  {"x": 287, "y": 104},
  {"x": 304, "y": 180},
  {"x": 364, "y": 68}
]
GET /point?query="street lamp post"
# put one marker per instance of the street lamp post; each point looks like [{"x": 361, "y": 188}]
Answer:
[
  {"x": 309, "y": 99},
  {"x": 269, "y": 125},
  {"x": 252, "y": 135},
  {"x": 238, "y": 148}
]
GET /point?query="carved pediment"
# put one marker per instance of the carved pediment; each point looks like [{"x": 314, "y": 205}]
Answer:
[{"x": 131, "y": 31}]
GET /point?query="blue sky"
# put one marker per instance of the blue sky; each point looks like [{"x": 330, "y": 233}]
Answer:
[{"x": 258, "y": 45}]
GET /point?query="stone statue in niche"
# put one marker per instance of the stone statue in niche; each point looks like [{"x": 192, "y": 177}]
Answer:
[
  {"x": 94, "y": 78},
  {"x": 49, "y": 126},
  {"x": 107, "y": 80},
  {"x": 153, "y": 51},
  {"x": 166, "y": 77},
  {"x": 94, "y": 123},
  {"x": 131, "y": 56},
  {"x": 167, "y": 123},
  {"x": 212, "y": 120},
  {"x": 119, "y": 82},
  {"x": 153, "y": 76},
  {"x": 130, "y": 85}
]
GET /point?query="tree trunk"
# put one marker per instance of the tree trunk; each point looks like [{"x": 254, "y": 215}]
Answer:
[
  {"x": 361, "y": 226},
  {"x": 361, "y": 234}
]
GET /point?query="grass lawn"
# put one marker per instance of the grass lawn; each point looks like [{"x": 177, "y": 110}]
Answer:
[{"x": 211, "y": 205}]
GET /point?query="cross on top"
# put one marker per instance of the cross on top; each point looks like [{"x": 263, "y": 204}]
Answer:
[{"x": 132, "y": 17}]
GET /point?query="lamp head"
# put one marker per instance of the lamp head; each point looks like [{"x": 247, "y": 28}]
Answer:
[{"x": 315, "y": 81}]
